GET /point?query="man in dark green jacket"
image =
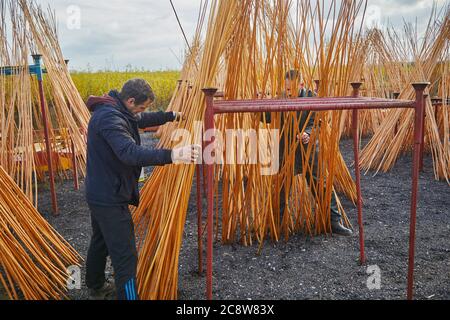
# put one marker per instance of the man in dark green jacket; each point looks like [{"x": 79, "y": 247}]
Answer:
[{"x": 306, "y": 125}]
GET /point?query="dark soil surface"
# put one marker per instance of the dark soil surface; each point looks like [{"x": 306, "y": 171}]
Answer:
[{"x": 311, "y": 268}]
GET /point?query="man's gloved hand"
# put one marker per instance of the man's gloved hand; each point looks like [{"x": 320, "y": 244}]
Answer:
[
  {"x": 305, "y": 138},
  {"x": 186, "y": 155},
  {"x": 179, "y": 116}
]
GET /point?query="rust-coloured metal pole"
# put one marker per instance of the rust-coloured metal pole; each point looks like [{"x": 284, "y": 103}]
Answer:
[
  {"x": 204, "y": 173},
  {"x": 355, "y": 119},
  {"x": 199, "y": 173},
  {"x": 199, "y": 219},
  {"x": 38, "y": 60},
  {"x": 209, "y": 125},
  {"x": 418, "y": 138},
  {"x": 422, "y": 146}
]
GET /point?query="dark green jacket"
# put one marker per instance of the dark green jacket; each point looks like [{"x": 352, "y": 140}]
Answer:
[{"x": 306, "y": 123}]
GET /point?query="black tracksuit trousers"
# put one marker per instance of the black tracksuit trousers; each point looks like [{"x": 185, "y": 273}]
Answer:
[{"x": 113, "y": 235}]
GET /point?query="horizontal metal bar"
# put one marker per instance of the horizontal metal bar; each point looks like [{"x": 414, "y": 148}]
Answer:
[
  {"x": 301, "y": 100},
  {"x": 11, "y": 71},
  {"x": 296, "y": 105}
]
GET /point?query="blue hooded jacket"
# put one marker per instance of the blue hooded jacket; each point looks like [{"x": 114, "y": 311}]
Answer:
[{"x": 115, "y": 156}]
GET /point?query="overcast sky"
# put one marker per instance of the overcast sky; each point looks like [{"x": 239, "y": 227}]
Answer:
[{"x": 144, "y": 33}]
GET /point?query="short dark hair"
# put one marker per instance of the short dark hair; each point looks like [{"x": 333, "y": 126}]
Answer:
[
  {"x": 139, "y": 89},
  {"x": 293, "y": 75}
]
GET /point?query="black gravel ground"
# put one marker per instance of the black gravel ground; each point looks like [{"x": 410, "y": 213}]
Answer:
[{"x": 311, "y": 268}]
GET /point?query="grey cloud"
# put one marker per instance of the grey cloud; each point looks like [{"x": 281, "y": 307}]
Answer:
[{"x": 144, "y": 33}]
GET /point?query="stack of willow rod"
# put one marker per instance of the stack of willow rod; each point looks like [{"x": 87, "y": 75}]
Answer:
[
  {"x": 251, "y": 209},
  {"x": 33, "y": 257},
  {"x": 387, "y": 70},
  {"x": 71, "y": 117},
  {"x": 16, "y": 104},
  {"x": 248, "y": 48},
  {"x": 403, "y": 59},
  {"x": 31, "y": 31}
]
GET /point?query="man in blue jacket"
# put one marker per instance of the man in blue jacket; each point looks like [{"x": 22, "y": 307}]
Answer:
[{"x": 115, "y": 159}]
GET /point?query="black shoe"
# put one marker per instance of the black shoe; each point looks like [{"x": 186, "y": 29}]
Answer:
[
  {"x": 338, "y": 229},
  {"x": 107, "y": 292}
]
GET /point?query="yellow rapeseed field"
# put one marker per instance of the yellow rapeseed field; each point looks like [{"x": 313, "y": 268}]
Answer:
[{"x": 100, "y": 83}]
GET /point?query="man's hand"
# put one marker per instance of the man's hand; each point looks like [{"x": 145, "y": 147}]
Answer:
[
  {"x": 186, "y": 155},
  {"x": 305, "y": 138},
  {"x": 179, "y": 116}
]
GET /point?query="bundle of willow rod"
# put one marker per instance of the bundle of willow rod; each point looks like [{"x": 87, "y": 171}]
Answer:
[
  {"x": 249, "y": 46},
  {"x": 33, "y": 257},
  {"x": 71, "y": 117},
  {"x": 252, "y": 209},
  {"x": 403, "y": 59},
  {"x": 22, "y": 139},
  {"x": 16, "y": 104}
]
